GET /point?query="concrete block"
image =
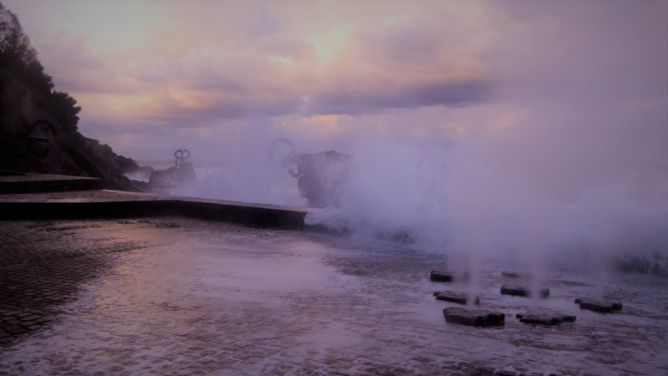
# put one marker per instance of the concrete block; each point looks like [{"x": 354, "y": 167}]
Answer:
[
  {"x": 517, "y": 290},
  {"x": 544, "y": 318},
  {"x": 515, "y": 275},
  {"x": 441, "y": 276},
  {"x": 454, "y": 297},
  {"x": 473, "y": 317},
  {"x": 599, "y": 305}
]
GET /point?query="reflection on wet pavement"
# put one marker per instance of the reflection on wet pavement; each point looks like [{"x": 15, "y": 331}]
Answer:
[{"x": 208, "y": 298}]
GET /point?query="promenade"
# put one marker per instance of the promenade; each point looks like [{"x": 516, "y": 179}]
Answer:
[
  {"x": 173, "y": 295},
  {"x": 97, "y": 282}
]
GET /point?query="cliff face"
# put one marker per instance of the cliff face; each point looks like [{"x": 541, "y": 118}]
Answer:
[{"x": 38, "y": 125}]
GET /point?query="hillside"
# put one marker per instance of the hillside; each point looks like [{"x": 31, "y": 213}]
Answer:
[{"x": 39, "y": 125}]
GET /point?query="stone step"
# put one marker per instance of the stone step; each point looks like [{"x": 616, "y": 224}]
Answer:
[{"x": 473, "y": 317}]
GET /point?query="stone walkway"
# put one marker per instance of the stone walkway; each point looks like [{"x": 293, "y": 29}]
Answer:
[
  {"x": 41, "y": 268},
  {"x": 173, "y": 296}
]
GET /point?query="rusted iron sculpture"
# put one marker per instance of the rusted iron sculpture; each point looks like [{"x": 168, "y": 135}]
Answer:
[
  {"x": 181, "y": 172},
  {"x": 320, "y": 176}
]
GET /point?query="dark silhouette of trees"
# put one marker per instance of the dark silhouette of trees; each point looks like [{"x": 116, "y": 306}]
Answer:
[
  {"x": 65, "y": 109},
  {"x": 19, "y": 59}
]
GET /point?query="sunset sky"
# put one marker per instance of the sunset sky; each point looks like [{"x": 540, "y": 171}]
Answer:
[{"x": 154, "y": 76}]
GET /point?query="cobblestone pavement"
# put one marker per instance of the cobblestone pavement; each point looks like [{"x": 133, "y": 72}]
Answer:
[{"x": 174, "y": 296}]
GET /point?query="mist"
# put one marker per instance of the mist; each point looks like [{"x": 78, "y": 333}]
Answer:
[{"x": 566, "y": 159}]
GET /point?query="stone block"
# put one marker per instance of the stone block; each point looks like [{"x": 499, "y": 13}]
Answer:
[
  {"x": 454, "y": 297},
  {"x": 473, "y": 317},
  {"x": 599, "y": 305}
]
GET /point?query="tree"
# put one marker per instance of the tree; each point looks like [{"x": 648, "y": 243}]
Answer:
[
  {"x": 65, "y": 109},
  {"x": 19, "y": 58}
]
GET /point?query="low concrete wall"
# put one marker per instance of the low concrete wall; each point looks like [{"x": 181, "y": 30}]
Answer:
[{"x": 141, "y": 205}]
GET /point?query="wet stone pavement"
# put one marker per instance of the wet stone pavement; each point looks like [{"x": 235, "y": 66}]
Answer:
[
  {"x": 42, "y": 266},
  {"x": 175, "y": 296}
]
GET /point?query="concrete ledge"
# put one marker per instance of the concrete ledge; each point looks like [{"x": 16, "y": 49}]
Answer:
[
  {"x": 255, "y": 215},
  {"x": 27, "y": 183},
  {"x": 82, "y": 210},
  {"x": 117, "y": 204}
]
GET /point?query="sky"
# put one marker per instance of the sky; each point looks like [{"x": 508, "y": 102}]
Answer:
[
  {"x": 489, "y": 125},
  {"x": 153, "y": 76}
]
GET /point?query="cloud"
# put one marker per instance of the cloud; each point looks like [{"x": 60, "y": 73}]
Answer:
[
  {"x": 209, "y": 62},
  {"x": 75, "y": 69},
  {"x": 177, "y": 66},
  {"x": 387, "y": 94}
]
